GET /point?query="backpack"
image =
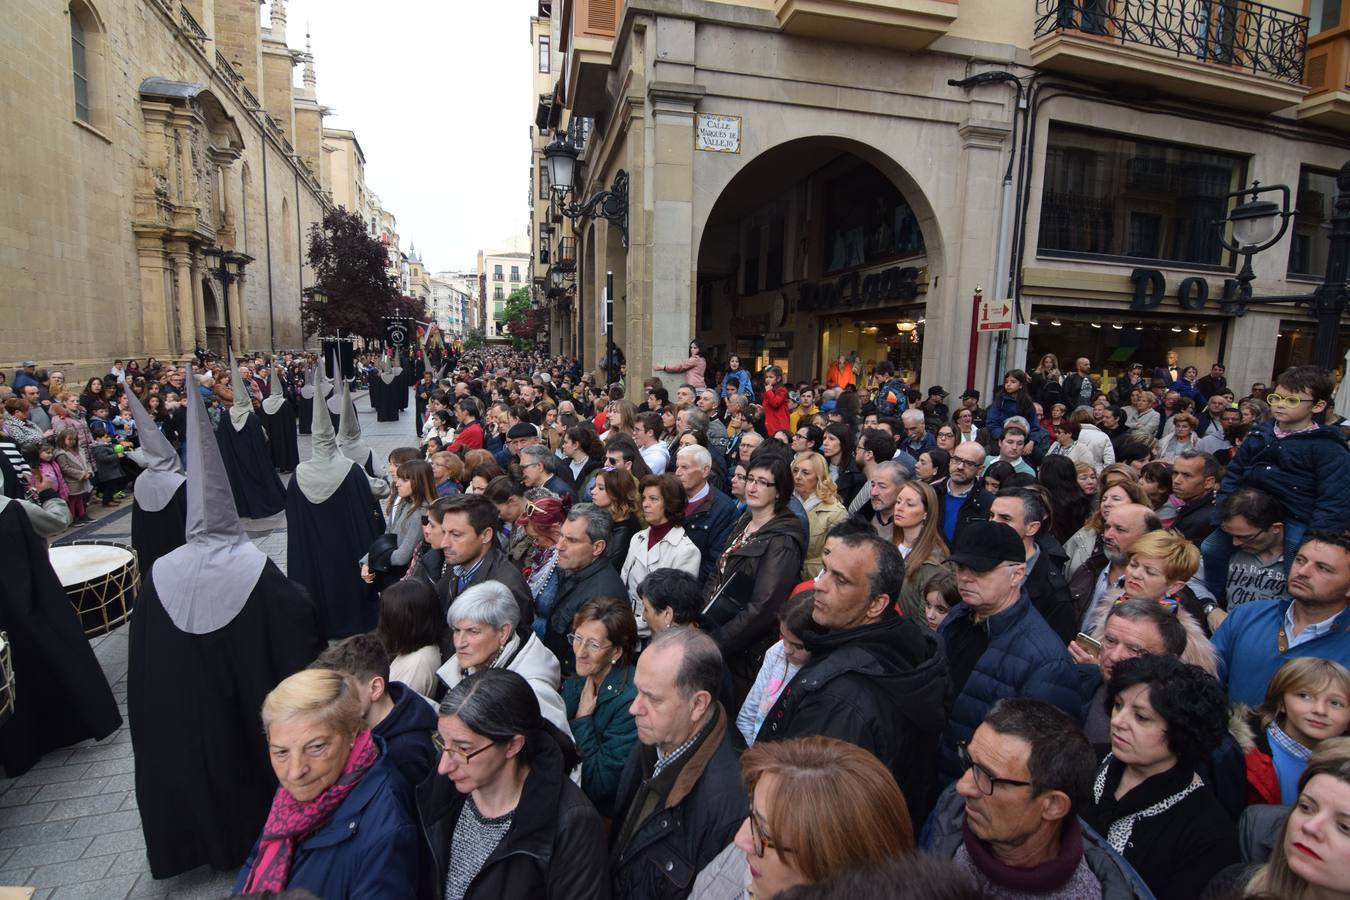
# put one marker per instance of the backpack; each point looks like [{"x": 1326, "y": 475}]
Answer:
[{"x": 892, "y": 399}]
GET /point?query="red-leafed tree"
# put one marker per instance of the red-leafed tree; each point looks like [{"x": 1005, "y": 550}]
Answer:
[{"x": 352, "y": 270}]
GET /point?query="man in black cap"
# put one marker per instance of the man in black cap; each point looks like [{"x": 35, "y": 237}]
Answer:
[
  {"x": 935, "y": 412},
  {"x": 997, "y": 644},
  {"x": 520, "y": 436},
  {"x": 970, "y": 399}
]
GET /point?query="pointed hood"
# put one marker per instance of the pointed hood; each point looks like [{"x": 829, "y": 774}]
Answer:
[
  {"x": 349, "y": 440},
  {"x": 334, "y": 397},
  {"x": 206, "y": 582},
  {"x": 387, "y": 374},
  {"x": 243, "y": 400},
  {"x": 323, "y": 473},
  {"x": 275, "y": 398},
  {"x": 163, "y": 474}
]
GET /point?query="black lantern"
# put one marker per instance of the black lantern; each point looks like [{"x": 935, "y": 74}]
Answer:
[
  {"x": 228, "y": 268},
  {"x": 611, "y": 205}
]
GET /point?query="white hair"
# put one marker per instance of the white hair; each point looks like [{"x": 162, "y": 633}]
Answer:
[
  {"x": 697, "y": 454},
  {"x": 911, "y": 416}
]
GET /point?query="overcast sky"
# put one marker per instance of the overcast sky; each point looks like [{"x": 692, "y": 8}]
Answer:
[{"x": 438, "y": 93}]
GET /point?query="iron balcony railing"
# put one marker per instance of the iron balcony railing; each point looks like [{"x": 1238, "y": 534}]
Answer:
[
  {"x": 566, "y": 258},
  {"x": 1239, "y": 34}
]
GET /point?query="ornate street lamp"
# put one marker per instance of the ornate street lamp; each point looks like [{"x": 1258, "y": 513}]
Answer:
[
  {"x": 1260, "y": 224},
  {"x": 228, "y": 268},
  {"x": 611, "y": 205}
]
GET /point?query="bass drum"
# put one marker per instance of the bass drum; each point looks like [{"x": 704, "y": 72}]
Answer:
[{"x": 101, "y": 579}]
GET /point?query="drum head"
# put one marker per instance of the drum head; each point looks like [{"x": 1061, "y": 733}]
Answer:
[{"x": 76, "y": 564}]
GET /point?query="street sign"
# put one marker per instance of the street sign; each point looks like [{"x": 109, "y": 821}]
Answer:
[{"x": 995, "y": 315}]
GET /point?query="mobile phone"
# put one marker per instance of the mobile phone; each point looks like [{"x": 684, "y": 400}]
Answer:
[{"x": 1090, "y": 645}]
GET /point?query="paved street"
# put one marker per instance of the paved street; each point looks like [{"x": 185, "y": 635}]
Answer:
[{"x": 70, "y": 827}]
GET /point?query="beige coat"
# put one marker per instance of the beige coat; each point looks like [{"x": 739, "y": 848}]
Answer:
[{"x": 821, "y": 517}]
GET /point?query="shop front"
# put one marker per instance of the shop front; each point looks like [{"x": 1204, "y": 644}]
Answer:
[{"x": 1113, "y": 340}]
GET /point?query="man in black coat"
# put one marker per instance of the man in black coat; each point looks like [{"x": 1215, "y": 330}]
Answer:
[
  {"x": 1024, "y": 511},
  {"x": 1078, "y": 387},
  {"x": 469, "y": 523},
  {"x": 1212, "y": 383},
  {"x": 586, "y": 573},
  {"x": 876, "y": 679},
  {"x": 1195, "y": 478},
  {"x": 709, "y": 514},
  {"x": 963, "y": 492},
  {"x": 680, "y": 799}
]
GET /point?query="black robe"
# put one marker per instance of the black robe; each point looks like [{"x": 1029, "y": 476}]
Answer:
[
  {"x": 384, "y": 397},
  {"x": 203, "y": 780},
  {"x": 324, "y": 543},
  {"x": 304, "y": 414},
  {"x": 281, "y": 437},
  {"x": 154, "y": 534},
  {"x": 373, "y": 392},
  {"x": 62, "y": 695},
  {"x": 248, "y": 463}
]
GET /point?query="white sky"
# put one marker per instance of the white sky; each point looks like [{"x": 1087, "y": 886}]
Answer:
[{"x": 439, "y": 95}]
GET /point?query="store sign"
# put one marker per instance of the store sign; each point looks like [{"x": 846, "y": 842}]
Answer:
[
  {"x": 717, "y": 133},
  {"x": 995, "y": 315},
  {"x": 895, "y": 284},
  {"x": 1192, "y": 293}
]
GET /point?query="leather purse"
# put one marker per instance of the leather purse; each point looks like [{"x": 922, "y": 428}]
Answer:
[
  {"x": 380, "y": 558},
  {"x": 732, "y": 596}
]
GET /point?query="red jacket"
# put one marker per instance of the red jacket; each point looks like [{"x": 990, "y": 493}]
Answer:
[
  {"x": 775, "y": 410},
  {"x": 470, "y": 438},
  {"x": 1263, "y": 785}
]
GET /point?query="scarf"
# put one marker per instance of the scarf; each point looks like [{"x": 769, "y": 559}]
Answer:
[
  {"x": 1045, "y": 878},
  {"x": 1118, "y": 834},
  {"x": 290, "y": 821}
]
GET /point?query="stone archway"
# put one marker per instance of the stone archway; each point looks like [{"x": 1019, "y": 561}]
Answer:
[{"x": 213, "y": 310}]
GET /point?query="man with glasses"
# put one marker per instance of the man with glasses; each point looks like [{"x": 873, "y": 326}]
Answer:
[
  {"x": 585, "y": 573},
  {"x": 536, "y": 470},
  {"x": 680, "y": 799},
  {"x": 997, "y": 644},
  {"x": 1011, "y": 820},
  {"x": 1254, "y": 522},
  {"x": 964, "y": 498}
]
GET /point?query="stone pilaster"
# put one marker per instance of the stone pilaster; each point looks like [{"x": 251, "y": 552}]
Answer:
[
  {"x": 182, "y": 268},
  {"x": 198, "y": 300}
]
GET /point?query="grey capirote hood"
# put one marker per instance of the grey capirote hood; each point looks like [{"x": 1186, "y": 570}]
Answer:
[
  {"x": 334, "y": 396},
  {"x": 323, "y": 473},
  {"x": 274, "y": 399},
  {"x": 242, "y": 407},
  {"x": 349, "y": 440},
  {"x": 205, "y": 583},
  {"x": 387, "y": 374},
  {"x": 308, "y": 388},
  {"x": 163, "y": 474}
]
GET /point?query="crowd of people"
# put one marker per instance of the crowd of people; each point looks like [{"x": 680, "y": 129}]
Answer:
[{"x": 720, "y": 635}]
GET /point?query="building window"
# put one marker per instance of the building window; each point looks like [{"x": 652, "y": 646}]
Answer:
[
  {"x": 867, "y": 221},
  {"x": 543, "y": 54},
  {"x": 543, "y": 249},
  {"x": 515, "y": 273},
  {"x": 86, "y": 63},
  {"x": 1114, "y": 195},
  {"x": 1312, "y": 236},
  {"x": 544, "y": 192},
  {"x": 497, "y": 273},
  {"x": 1323, "y": 15},
  {"x": 497, "y": 293},
  {"x": 80, "y": 67}
]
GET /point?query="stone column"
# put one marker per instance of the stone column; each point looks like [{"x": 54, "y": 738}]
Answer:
[
  {"x": 157, "y": 313},
  {"x": 198, "y": 300},
  {"x": 233, "y": 296},
  {"x": 182, "y": 268}
]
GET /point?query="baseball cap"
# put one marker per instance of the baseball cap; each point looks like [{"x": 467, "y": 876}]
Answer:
[
  {"x": 984, "y": 545},
  {"x": 970, "y": 394},
  {"x": 936, "y": 391},
  {"x": 1138, "y": 366},
  {"x": 28, "y": 364},
  {"x": 521, "y": 430}
]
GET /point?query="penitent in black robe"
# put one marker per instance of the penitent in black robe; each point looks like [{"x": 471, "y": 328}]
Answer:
[
  {"x": 154, "y": 534},
  {"x": 304, "y": 414},
  {"x": 205, "y": 804},
  {"x": 62, "y": 695},
  {"x": 254, "y": 483},
  {"x": 281, "y": 437},
  {"x": 384, "y": 397},
  {"x": 324, "y": 544}
]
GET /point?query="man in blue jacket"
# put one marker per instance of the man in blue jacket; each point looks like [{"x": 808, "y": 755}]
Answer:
[
  {"x": 1260, "y": 636},
  {"x": 709, "y": 514},
  {"x": 997, "y": 644}
]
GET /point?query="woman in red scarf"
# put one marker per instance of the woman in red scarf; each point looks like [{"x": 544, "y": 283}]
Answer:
[{"x": 342, "y": 822}]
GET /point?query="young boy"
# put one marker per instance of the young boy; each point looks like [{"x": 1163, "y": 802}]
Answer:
[
  {"x": 1292, "y": 457},
  {"x": 108, "y": 462}
]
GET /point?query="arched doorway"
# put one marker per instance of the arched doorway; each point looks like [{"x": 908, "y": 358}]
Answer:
[
  {"x": 215, "y": 319},
  {"x": 816, "y": 248}
]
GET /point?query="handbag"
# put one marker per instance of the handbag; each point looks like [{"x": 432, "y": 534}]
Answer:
[
  {"x": 731, "y": 599},
  {"x": 380, "y": 558}
]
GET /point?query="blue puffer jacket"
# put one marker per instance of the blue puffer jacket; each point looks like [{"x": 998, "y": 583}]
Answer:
[
  {"x": 737, "y": 381},
  {"x": 1024, "y": 658},
  {"x": 369, "y": 848},
  {"x": 1308, "y": 472},
  {"x": 1003, "y": 408}
]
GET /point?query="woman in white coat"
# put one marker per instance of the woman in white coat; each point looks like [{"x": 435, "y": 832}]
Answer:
[
  {"x": 663, "y": 544},
  {"x": 1095, "y": 441},
  {"x": 483, "y": 620}
]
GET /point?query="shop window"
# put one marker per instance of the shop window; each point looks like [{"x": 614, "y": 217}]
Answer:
[
  {"x": 1312, "y": 237},
  {"x": 1114, "y": 195},
  {"x": 867, "y": 221}
]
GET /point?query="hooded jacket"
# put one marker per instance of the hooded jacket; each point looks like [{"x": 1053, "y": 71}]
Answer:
[
  {"x": 407, "y": 733},
  {"x": 1307, "y": 471},
  {"x": 882, "y": 687}
]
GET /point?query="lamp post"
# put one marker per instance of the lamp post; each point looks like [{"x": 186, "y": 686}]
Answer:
[
  {"x": 228, "y": 268},
  {"x": 611, "y": 205},
  {"x": 1260, "y": 224}
]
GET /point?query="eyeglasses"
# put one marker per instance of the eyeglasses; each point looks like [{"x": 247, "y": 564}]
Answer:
[
  {"x": 760, "y": 840},
  {"x": 985, "y": 781},
  {"x": 958, "y": 462},
  {"x": 455, "y": 752},
  {"x": 762, "y": 482},
  {"x": 1291, "y": 402},
  {"x": 591, "y": 645}
]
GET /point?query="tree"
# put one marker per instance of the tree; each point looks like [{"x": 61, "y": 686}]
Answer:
[
  {"x": 352, "y": 269},
  {"x": 474, "y": 339},
  {"x": 521, "y": 318}
]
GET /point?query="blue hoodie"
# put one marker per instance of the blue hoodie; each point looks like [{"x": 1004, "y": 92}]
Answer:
[{"x": 407, "y": 733}]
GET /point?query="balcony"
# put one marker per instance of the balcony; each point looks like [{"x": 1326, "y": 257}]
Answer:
[
  {"x": 588, "y": 41},
  {"x": 566, "y": 258},
  {"x": 1237, "y": 53},
  {"x": 902, "y": 24},
  {"x": 1328, "y": 76}
]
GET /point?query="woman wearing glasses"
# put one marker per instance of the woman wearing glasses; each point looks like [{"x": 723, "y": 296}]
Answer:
[
  {"x": 483, "y": 626},
  {"x": 818, "y": 807},
  {"x": 604, "y": 640},
  {"x": 663, "y": 544},
  {"x": 501, "y": 817},
  {"x": 1167, "y": 717}
]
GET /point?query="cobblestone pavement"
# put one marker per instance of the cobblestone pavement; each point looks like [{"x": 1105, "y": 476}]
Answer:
[{"x": 70, "y": 826}]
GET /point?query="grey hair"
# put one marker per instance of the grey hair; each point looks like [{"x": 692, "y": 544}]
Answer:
[
  {"x": 599, "y": 522},
  {"x": 696, "y": 420},
  {"x": 490, "y": 603},
  {"x": 707, "y": 392},
  {"x": 701, "y": 663},
  {"x": 911, "y": 415},
  {"x": 892, "y": 468},
  {"x": 697, "y": 454},
  {"x": 736, "y": 400},
  {"x": 538, "y": 453},
  {"x": 1019, "y": 421}
]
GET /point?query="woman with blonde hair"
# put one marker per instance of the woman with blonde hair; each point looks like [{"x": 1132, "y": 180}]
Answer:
[
  {"x": 1087, "y": 540},
  {"x": 341, "y": 823},
  {"x": 818, "y": 494},
  {"x": 818, "y": 807},
  {"x": 1307, "y": 702},
  {"x": 918, "y": 534},
  {"x": 1311, "y": 858},
  {"x": 622, "y": 417}
]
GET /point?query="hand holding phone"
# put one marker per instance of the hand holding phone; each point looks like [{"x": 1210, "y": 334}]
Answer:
[{"x": 1085, "y": 648}]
